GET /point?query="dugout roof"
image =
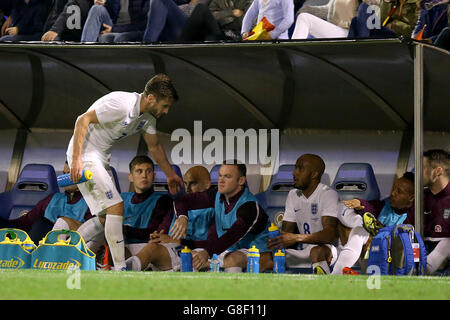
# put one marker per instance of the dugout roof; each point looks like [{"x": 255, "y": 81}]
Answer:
[{"x": 319, "y": 84}]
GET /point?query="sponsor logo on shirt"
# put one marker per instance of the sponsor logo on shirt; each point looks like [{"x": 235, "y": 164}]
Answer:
[
  {"x": 446, "y": 213},
  {"x": 314, "y": 208},
  {"x": 297, "y": 210},
  {"x": 375, "y": 248}
]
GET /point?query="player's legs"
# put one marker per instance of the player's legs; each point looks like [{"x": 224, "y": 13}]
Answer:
[
  {"x": 265, "y": 261},
  {"x": 352, "y": 250},
  {"x": 114, "y": 235},
  {"x": 161, "y": 257},
  {"x": 234, "y": 261},
  {"x": 436, "y": 257},
  {"x": 321, "y": 256}
]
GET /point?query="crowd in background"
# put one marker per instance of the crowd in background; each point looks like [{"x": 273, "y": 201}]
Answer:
[{"x": 222, "y": 20}]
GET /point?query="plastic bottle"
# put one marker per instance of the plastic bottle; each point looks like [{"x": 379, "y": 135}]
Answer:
[
  {"x": 279, "y": 261},
  {"x": 214, "y": 265},
  {"x": 186, "y": 260},
  {"x": 64, "y": 179},
  {"x": 253, "y": 260},
  {"x": 274, "y": 231}
]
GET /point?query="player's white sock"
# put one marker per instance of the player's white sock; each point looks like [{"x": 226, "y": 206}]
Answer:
[
  {"x": 438, "y": 255},
  {"x": 60, "y": 224},
  {"x": 233, "y": 269},
  {"x": 134, "y": 263},
  {"x": 91, "y": 229},
  {"x": 323, "y": 265},
  {"x": 348, "y": 217},
  {"x": 114, "y": 237},
  {"x": 352, "y": 250}
]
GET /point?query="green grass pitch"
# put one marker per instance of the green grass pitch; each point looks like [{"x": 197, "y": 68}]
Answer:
[{"x": 61, "y": 285}]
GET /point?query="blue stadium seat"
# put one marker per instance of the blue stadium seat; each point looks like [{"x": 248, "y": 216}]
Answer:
[
  {"x": 214, "y": 174},
  {"x": 35, "y": 182},
  {"x": 160, "y": 183},
  {"x": 115, "y": 178},
  {"x": 274, "y": 198},
  {"x": 356, "y": 180}
]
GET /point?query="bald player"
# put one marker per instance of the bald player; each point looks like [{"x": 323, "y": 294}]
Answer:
[
  {"x": 162, "y": 252},
  {"x": 312, "y": 207}
]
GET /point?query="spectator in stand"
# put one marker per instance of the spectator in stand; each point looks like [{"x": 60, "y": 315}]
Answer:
[
  {"x": 434, "y": 23},
  {"x": 66, "y": 20},
  {"x": 121, "y": 21},
  {"x": 280, "y": 13},
  {"x": 340, "y": 13},
  {"x": 26, "y": 21}
]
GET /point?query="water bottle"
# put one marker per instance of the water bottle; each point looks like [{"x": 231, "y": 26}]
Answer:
[
  {"x": 279, "y": 260},
  {"x": 64, "y": 179},
  {"x": 186, "y": 260},
  {"x": 253, "y": 260},
  {"x": 274, "y": 231},
  {"x": 214, "y": 265},
  {"x": 28, "y": 245}
]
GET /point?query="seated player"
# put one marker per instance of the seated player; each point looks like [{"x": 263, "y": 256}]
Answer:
[
  {"x": 66, "y": 210},
  {"x": 436, "y": 219},
  {"x": 144, "y": 210},
  {"x": 162, "y": 252},
  {"x": 239, "y": 222},
  {"x": 311, "y": 207},
  {"x": 356, "y": 234}
]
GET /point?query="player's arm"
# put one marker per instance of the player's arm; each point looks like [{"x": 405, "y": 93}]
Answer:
[
  {"x": 81, "y": 127},
  {"x": 326, "y": 235},
  {"x": 157, "y": 152}
]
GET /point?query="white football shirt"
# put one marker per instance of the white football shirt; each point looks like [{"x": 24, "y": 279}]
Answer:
[
  {"x": 308, "y": 212},
  {"x": 119, "y": 116}
]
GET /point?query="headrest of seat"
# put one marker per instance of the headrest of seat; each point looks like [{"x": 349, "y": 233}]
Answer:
[
  {"x": 160, "y": 182},
  {"x": 356, "y": 180},
  {"x": 37, "y": 177}
]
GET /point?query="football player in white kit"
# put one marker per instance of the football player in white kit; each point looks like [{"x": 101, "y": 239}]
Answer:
[
  {"x": 113, "y": 117},
  {"x": 312, "y": 207}
]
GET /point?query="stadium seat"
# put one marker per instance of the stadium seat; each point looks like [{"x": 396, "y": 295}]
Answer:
[
  {"x": 35, "y": 182},
  {"x": 115, "y": 178},
  {"x": 214, "y": 174},
  {"x": 160, "y": 183},
  {"x": 356, "y": 180},
  {"x": 274, "y": 198}
]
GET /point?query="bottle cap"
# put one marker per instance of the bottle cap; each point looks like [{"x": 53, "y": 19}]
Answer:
[
  {"x": 88, "y": 174},
  {"x": 279, "y": 253},
  {"x": 214, "y": 257},
  {"x": 273, "y": 227},
  {"x": 253, "y": 252},
  {"x": 186, "y": 250}
]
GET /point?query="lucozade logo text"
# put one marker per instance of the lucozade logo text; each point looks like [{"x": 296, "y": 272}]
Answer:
[
  {"x": 13, "y": 263},
  {"x": 51, "y": 265}
]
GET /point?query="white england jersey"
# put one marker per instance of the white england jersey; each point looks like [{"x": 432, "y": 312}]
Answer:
[
  {"x": 119, "y": 116},
  {"x": 308, "y": 212}
]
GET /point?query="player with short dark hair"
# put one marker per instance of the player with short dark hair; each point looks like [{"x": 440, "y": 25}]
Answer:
[{"x": 111, "y": 118}]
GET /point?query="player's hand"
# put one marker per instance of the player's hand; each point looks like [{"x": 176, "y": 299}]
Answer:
[
  {"x": 179, "y": 228},
  {"x": 175, "y": 184},
  {"x": 108, "y": 29},
  {"x": 76, "y": 170},
  {"x": 99, "y": 2},
  {"x": 200, "y": 259},
  {"x": 286, "y": 239},
  {"x": 49, "y": 36},
  {"x": 237, "y": 13},
  {"x": 13, "y": 31},
  {"x": 353, "y": 204}
]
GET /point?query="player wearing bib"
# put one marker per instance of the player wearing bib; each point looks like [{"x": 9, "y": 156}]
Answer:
[
  {"x": 397, "y": 209},
  {"x": 162, "y": 252},
  {"x": 239, "y": 222},
  {"x": 111, "y": 118},
  {"x": 436, "y": 219},
  {"x": 66, "y": 210},
  {"x": 312, "y": 208}
]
